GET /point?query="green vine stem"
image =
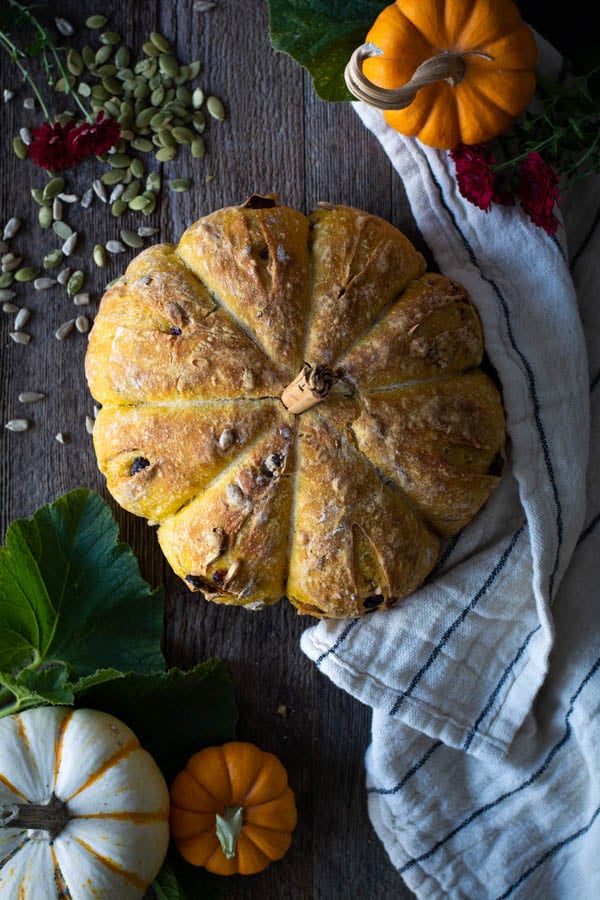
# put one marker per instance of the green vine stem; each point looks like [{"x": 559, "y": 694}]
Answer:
[{"x": 229, "y": 826}]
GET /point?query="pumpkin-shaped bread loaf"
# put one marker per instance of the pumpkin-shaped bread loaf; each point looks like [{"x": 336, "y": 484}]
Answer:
[{"x": 296, "y": 404}]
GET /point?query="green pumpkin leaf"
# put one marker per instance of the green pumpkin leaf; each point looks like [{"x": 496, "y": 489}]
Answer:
[
  {"x": 321, "y": 35},
  {"x": 72, "y": 598}
]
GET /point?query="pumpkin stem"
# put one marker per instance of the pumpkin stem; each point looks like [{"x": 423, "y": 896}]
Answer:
[
  {"x": 444, "y": 66},
  {"x": 51, "y": 816},
  {"x": 229, "y": 826},
  {"x": 309, "y": 387}
]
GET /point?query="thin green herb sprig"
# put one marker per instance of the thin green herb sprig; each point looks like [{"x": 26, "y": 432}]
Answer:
[
  {"x": 564, "y": 127},
  {"x": 18, "y": 17}
]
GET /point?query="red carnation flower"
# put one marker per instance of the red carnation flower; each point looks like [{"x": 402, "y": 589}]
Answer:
[
  {"x": 93, "y": 138},
  {"x": 538, "y": 192},
  {"x": 49, "y": 147},
  {"x": 474, "y": 174}
]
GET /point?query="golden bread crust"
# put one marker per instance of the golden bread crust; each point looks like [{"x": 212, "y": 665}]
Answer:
[{"x": 341, "y": 506}]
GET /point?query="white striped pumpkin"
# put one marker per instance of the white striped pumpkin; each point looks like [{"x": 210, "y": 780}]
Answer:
[{"x": 84, "y": 808}]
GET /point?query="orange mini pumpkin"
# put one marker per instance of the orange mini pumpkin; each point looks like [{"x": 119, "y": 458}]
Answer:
[
  {"x": 462, "y": 70},
  {"x": 232, "y": 810}
]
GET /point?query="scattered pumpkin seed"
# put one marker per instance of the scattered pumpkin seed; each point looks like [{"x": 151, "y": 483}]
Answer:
[
  {"x": 198, "y": 148},
  {"x": 45, "y": 217},
  {"x": 20, "y": 337},
  {"x": 7, "y": 295},
  {"x": 53, "y": 188},
  {"x": 166, "y": 154},
  {"x": 96, "y": 21},
  {"x": 132, "y": 190},
  {"x": 30, "y": 397},
  {"x": 10, "y": 308},
  {"x": 87, "y": 197},
  {"x": 147, "y": 231},
  {"x": 74, "y": 62},
  {"x": 119, "y": 207},
  {"x": 82, "y": 324},
  {"x": 53, "y": 259},
  {"x": 138, "y": 204},
  {"x": 37, "y": 195},
  {"x": 81, "y": 299},
  {"x": 6, "y": 279},
  {"x": 25, "y": 135},
  {"x": 111, "y": 38},
  {"x": 180, "y": 184},
  {"x": 75, "y": 282},
  {"x": 215, "y": 107},
  {"x": 17, "y": 425},
  {"x": 160, "y": 41},
  {"x": 122, "y": 57},
  {"x": 84, "y": 89},
  {"x": 183, "y": 135},
  {"x": 99, "y": 255},
  {"x": 116, "y": 192},
  {"x": 131, "y": 238},
  {"x": 62, "y": 229},
  {"x": 57, "y": 208},
  {"x": 103, "y": 54},
  {"x": 64, "y": 27},
  {"x": 63, "y": 276},
  {"x": 100, "y": 190},
  {"x": 28, "y": 273},
  {"x": 137, "y": 168},
  {"x": 19, "y": 148}
]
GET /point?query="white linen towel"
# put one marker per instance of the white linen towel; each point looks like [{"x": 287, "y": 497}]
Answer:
[{"x": 483, "y": 776}]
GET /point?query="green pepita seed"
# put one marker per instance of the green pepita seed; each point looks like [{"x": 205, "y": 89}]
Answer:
[
  {"x": 142, "y": 144},
  {"x": 198, "y": 148},
  {"x": 153, "y": 182},
  {"x": 215, "y": 107},
  {"x": 64, "y": 85},
  {"x": 160, "y": 41},
  {"x": 122, "y": 57},
  {"x": 112, "y": 85},
  {"x": 182, "y": 76},
  {"x": 54, "y": 187},
  {"x": 106, "y": 71},
  {"x": 19, "y": 147},
  {"x": 131, "y": 238},
  {"x": 184, "y": 95},
  {"x": 112, "y": 107},
  {"x": 53, "y": 259},
  {"x": 166, "y": 154},
  {"x": 138, "y": 203},
  {"x": 118, "y": 207},
  {"x": 199, "y": 121},
  {"x": 61, "y": 229},
  {"x": 143, "y": 119},
  {"x": 111, "y": 38},
  {"x": 150, "y": 206},
  {"x": 84, "y": 89},
  {"x": 113, "y": 176},
  {"x": 131, "y": 191},
  {"x": 75, "y": 282},
  {"x": 180, "y": 184},
  {"x": 168, "y": 64},
  {"x": 38, "y": 196},
  {"x": 197, "y": 98},
  {"x": 118, "y": 160},
  {"x": 28, "y": 273},
  {"x": 155, "y": 81},
  {"x": 103, "y": 54},
  {"x": 141, "y": 91},
  {"x": 194, "y": 69},
  {"x": 6, "y": 279},
  {"x": 183, "y": 135},
  {"x": 99, "y": 92},
  {"x": 137, "y": 168},
  {"x": 99, "y": 255},
  {"x": 74, "y": 62},
  {"x": 166, "y": 138},
  {"x": 45, "y": 217},
  {"x": 96, "y": 21},
  {"x": 88, "y": 56},
  {"x": 157, "y": 96},
  {"x": 150, "y": 49}
]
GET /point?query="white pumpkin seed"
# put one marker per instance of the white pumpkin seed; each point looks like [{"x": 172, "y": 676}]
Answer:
[
  {"x": 115, "y": 247},
  {"x": 215, "y": 107},
  {"x": 82, "y": 324},
  {"x": 22, "y": 318}
]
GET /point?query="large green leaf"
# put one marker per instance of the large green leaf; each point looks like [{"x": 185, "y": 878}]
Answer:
[
  {"x": 321, "y": 35},
  {"x": 72, "y": 602}
]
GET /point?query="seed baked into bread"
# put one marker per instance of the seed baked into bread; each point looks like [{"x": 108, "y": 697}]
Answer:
[{"x": 296, "y": 404}]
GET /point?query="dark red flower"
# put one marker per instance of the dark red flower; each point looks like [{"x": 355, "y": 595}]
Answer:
[
  {"x": 49, "y": 147},
  {"x": 538, "y": 192},
  {"x": 474, "y": 174},
  {"x": 93, "y": 138}
]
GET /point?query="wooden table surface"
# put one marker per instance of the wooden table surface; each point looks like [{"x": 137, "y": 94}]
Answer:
[{"x": 278, "y": 136}]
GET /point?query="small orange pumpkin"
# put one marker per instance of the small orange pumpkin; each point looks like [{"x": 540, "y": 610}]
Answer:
[
  {"x": 463, "y": 69},
  {"x": 232, "y": 810}
]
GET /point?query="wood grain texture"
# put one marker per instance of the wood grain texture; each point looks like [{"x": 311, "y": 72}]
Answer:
[{"x": 278, "y": 137}]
